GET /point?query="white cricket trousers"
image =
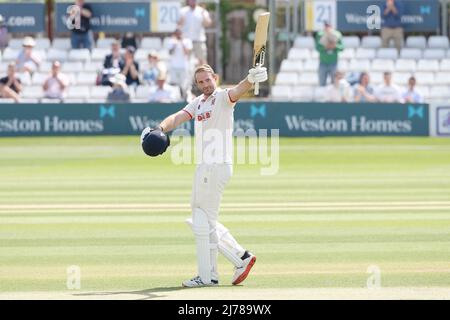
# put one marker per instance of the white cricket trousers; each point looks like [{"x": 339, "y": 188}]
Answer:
[{"x": 209, "y": 183}]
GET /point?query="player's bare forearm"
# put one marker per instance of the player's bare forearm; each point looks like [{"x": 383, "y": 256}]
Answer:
[
  {"x": 174, "y": 120},
  {"x": 239, "y": 90}
]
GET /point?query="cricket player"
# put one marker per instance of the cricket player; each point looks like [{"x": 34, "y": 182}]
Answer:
[{"x": 213, "y": 115}]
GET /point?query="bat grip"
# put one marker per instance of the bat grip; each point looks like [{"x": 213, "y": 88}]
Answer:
[{"x": 256, "y": 88}]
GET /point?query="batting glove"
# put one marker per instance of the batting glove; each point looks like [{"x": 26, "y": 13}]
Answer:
[{"x": 257, "y": 74}]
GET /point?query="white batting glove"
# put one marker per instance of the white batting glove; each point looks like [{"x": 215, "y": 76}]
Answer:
[{"x": 257, "y": 74}]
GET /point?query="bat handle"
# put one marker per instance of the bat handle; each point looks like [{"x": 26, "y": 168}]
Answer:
[{"x": 256, "y": 88}]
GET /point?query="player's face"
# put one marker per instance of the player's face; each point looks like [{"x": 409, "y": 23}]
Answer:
[{"x": 206, "y": 82}]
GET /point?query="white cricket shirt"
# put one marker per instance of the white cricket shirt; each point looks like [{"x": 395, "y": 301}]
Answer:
[
  {"x": 214, "y": 122},
  {"x": 193, "y": 23}
]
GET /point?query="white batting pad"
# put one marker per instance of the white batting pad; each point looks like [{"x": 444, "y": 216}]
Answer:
[{"x": 200, "y": 226}]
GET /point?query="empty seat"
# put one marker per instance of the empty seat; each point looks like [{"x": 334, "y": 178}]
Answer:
[
  {"x": 347, "y": 53},
  {"x": 154, "y": 43},
  {"x": 427, "y": 65},
  {"x": 42, "y": 43},
  {"x": 143, "y": 92},
  {"x": 39, "y": 78},
  {"x": 351, "y": 42},
  {"x": 359, "y": 65},
  {"x": 439, "y": 92},
  {"x": 141, "y": 54},
  {"x": 291, "y": 65},
  {"x": 35, "y": 92},
  {"x": 405, "y": 65},
  {"x": 304, "y": 94},
  {"x": 423, "y": 90},
  {"x": 100, "y": 92},
  {"x": 320, "y": 94},
  {"x": 304, "y": 42},
  {"x": 86, "y": 78},
  {"x": 382, "y": 65},
  {"x": 99, "y": 54},
  {"x": 78, "y": 92},
  {"x": 434, "y": 54},
  {"x": 299, "y": 54},
  {"x": 440, "y": 42},
  {"x": 72, "y": 67},
  {"x": 24, "y": 77},
  {"x": 41, "y": 54},
  {"x": 442, "y": 77},
  {"x": 61, "y": 44},
  {"x": 311, "y": 65},
  {"x": 10, "y": 54},
  {"x": 364, "y": 53},
  {"x": 93, "y": 66},
  {"x": 56, "y": 54},
  {"x": 286, "y": 78},
  {"x": 281, "y": 92},
  {"x": 105, "y": 42},
  {"x": 445, "y": 65},
  {"x": 424, "y": 78},
  {"x": 79, "y": 55},
  {"x": 45, "y": 67},
  {"x": 343, "y": 65},
  {"x": 15, "y": 43},
  {"x": 308, "y": 78},
  {"x": 419, "y": 42},
  {"x": 410, "y": 53},
  {"x": 376, "y": 77},
  {"x": 371, "y": 42},
  {"x": 387, "y": 53},
  {"x": 401, "y": 78}
]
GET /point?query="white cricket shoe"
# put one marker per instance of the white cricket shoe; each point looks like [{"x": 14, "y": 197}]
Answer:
[
  {"x": 241, "y": 273},
  {"x": 197, "y": 282}
]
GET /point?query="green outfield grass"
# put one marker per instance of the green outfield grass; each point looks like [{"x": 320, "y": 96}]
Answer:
[{"x": 336, "y": 207}]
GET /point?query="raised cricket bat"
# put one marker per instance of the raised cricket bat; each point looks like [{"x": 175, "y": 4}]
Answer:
[{"x": 259, "y": 45}]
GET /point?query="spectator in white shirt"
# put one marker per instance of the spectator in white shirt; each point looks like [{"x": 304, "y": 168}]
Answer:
[
  {"x": 179, "y": 66},
  {"x": 193, "y": 21},
  {"x": 28, "y": 60},
  {"x": 388, "y": 92},
  {"x": 340, "y": 90},
  {"x": 164, "y": 93},
  {"x": 412, "y": 95},
  {"x": 56, "y": 83}
]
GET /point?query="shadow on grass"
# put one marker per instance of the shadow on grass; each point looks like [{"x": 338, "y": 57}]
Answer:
[{"x": 145, "y": 294}]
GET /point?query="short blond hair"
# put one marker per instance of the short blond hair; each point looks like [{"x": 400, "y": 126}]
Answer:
[{"x": 203, "y": 68}]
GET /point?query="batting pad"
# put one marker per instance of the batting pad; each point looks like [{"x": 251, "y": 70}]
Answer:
[
  {"x": 227, "y": 245},
  {"x": 200, "y": 226}
]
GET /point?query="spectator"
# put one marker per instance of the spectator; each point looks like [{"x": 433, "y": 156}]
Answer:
[
  {"x": 56, "y": 83},
  {"x": 339, "y": 90},
  {"x": 4, "y": 36},
  {"x": 155, "y": 67},
  {"x": 329, "y": 44},
  {"x": 364, "y": 92},
  {"x": 411, "y": 95},
  {"x": 130, "y": 68},
  {"x": 119, "y": 92},
  {"x": 129, "y": 39},
  {"x": 112, "y": 63},
  {"x": 164, "y": 93},
  {"x": 82, "y": 37},
  {"x": 193, "y": 21},
  {"x": 27, "y": 60},
  {"x": 388, "y": 92},
  {"x": 392, "y": 24},
  {"x": 10, "y": 86},
  {"x": 180, "y": 50}
]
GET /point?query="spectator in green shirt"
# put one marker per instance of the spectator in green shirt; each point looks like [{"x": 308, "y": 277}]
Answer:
[{"x": 329, "y": 44}]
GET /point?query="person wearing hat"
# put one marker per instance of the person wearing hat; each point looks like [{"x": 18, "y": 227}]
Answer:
[
  {"x": 129, "y": 67},
  {"x": 328, "y": 44},
  {"x": 164, "y": 93},
  {"x": 119, "y": 92},
  {"x": 4, "y": 36},
  {"x": 57, "y": 82},
  {"x": 28, "y": 60},
  {"x": 154, "y": 69}
]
